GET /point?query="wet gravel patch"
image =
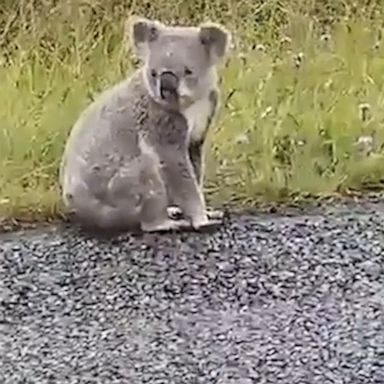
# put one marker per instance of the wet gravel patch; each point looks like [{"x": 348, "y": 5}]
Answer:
[{"x": 263, "y": 300}]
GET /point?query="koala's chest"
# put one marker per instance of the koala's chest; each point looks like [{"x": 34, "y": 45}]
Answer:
[{"x": 198, "y": 116}]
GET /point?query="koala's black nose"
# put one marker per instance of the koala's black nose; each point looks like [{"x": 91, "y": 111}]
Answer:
[{"x": 168, "y": 85}]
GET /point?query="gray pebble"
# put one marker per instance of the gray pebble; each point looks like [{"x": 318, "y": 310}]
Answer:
[{"x": 274, "y": 300}]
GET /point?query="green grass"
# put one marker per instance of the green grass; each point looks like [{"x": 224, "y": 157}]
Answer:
[{"x": 286, "y": 128}]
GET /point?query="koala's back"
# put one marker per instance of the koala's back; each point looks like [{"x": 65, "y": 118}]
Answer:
[
  {"x": 108, "y": 131},
  {"x": 108, "y": 126}
]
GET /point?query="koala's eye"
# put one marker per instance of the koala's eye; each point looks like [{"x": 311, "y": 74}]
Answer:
[
  {"x": 153, "y": 73},
  {"x": 187, "y": 71}
]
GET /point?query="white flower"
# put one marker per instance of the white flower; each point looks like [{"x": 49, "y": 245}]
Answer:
[
  {"x": 364, "y": 143},
  {"x": 266, "y": 112},
  {"x": 260, "y": 48},
  {"x": 242, "y": 139},
  {"x": 298, "y": 59},
  {"x": 325, "y": 37},
  {"x": 285, "y": 39}
]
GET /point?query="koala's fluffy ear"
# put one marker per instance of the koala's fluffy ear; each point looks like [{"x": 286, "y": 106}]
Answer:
[
  {"x": 216, "y": 39},
  {"x": 141, "y": 32}
]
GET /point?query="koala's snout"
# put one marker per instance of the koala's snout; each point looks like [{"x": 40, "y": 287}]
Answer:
[{"x": 169, "y": 84}]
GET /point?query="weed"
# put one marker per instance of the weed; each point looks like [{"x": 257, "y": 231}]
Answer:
[{"x": 302, "y": 94}]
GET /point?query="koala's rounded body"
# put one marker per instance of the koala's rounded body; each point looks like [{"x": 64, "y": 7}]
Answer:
[{"x": 136, "y": 150}]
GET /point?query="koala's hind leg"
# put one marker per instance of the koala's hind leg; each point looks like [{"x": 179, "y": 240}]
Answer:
[
  {"x": 94, "y": 213},
  {"x": 105, "y": 200}
]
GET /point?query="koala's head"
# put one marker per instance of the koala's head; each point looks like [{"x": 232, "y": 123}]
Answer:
[{"x": 179, "y": 62}]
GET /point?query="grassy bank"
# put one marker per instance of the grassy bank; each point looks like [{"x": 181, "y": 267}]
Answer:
[{"x": 302, "y": 91}]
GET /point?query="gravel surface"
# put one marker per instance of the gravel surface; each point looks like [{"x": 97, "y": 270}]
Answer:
[{"x": 271, "y": 299}]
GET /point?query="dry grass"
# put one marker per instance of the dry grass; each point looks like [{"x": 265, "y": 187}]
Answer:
[{"x": 302, "y": 95}]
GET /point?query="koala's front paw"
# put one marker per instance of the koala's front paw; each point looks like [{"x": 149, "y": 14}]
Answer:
[
  {"x": 174, "y": 212},
  {"x": 215, "y": 214},
  {"x": 205, "y": 223},
  {"x": 166, "y": 226},
  {"x": 211, "y": 225}
]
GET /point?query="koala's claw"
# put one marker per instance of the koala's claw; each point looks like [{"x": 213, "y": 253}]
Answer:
[
  {"x": 175, "y": 213},
  {"x": 166, "y": 226},
  {"x": 209, "y": 225},
  {"x": 215, "y": 215}
]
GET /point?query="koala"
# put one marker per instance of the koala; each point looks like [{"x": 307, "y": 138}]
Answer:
[{"x": 133, "y": 159}]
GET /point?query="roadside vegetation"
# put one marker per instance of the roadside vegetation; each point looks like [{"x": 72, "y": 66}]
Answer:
[{"x": 302, "y": 94}]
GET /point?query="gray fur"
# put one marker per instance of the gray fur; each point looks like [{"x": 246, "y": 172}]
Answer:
[{"x": 137, "y": 148}]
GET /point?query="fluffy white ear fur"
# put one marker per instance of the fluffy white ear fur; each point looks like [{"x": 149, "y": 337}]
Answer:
[
  {"x": 140, "y": 32},
  {"x": 216, "y": 39}
]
